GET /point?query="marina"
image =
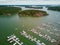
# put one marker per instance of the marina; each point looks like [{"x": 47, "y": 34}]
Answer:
[
  {"x": 13, "y": 38},
  {"x": 44, "y": 36},
  {"x": 32, "y": 38}
]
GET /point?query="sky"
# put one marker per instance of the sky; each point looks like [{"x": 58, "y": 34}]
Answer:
[{"x": 29, "y": 2}]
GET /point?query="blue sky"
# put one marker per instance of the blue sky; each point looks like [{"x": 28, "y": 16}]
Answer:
[{"x": 29, "y": 2}]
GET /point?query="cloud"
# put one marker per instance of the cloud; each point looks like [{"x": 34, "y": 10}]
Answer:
[{"x": 29, "y": 2}]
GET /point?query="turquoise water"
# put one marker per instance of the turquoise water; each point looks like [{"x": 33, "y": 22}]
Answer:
[{"x": 8, "y": 25}]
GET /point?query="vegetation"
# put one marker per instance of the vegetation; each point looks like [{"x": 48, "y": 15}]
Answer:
[
  {"x": 8, "y": 10},
  {"x": 36, "y": 13},
  {"x": 56, "y": 8}
]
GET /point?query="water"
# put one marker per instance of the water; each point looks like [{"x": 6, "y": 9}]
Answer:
[{"x": 14, "y": 25}]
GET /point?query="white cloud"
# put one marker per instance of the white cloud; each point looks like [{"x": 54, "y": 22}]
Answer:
[{"x": 28, "y": 2}]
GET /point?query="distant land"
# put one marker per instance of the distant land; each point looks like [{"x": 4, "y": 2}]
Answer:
[
  {"x": 8, "y": 10},
  {"x": 11, "y": 9}
]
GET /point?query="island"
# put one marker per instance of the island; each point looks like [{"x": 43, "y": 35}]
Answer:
[
  {"x": 9, "y": 10},
  {"x": 34, "y": 13}
]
